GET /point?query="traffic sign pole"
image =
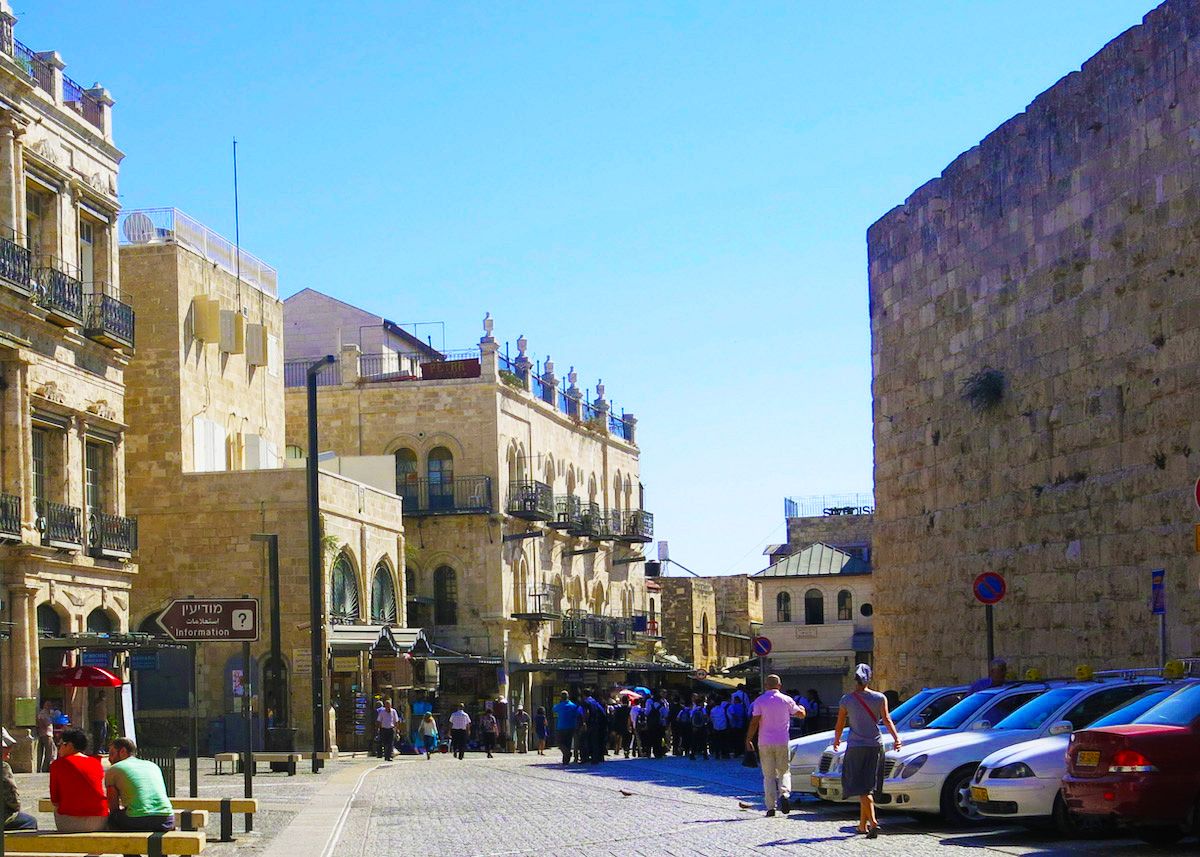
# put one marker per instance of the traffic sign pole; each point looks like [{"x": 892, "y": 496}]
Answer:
[
  {"x": 194, "y": 743},
  {"x": 991, "y": 633},
  {"x": 248, "y": 765}
]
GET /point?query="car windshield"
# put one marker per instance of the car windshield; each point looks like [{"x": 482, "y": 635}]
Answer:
[
  {"x": 912, "y": 705},
  {"x": 1135, "y": 709},
  {"x": 1033, "y": 714},
  {"x": 964, "y": 711},
  {"x": 1177, "y": 710}
]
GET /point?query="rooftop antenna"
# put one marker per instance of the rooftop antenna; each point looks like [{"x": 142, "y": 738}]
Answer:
[{"x": 237, "y": 225}]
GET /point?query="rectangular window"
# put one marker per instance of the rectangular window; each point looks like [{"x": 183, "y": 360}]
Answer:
[
  {"x": 87, "y": 251},
  {"x": 39, "y": 464},
  {"x": 97, "y": 473}
]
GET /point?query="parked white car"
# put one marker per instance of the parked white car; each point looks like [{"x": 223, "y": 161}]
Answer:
[
  {"x": 934, "y": 775},
  {"x": 916, "y": 712},
  {"x": 1024, "y": 782},
  {"x": 991, "y": 706}
]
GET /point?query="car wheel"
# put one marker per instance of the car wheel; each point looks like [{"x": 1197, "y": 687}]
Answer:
[
  {"x": 1159, "y": 835},
  {"x": 957, "y": 807},
  {"x": 1067, "y": 823}
]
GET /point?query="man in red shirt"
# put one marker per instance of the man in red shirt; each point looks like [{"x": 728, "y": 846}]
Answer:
[{"x": 77, "y": 787}]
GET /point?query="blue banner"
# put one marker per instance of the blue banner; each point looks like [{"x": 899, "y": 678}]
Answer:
[{"x": 1158, "y": 592}]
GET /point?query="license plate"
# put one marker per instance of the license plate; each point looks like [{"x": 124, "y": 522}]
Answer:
[
  {"x": 978, "y": 795},
  {"x": 815, "y": 781},
  {"x": 1088, "y": 758}
]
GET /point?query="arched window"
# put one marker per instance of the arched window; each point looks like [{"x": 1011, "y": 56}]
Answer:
[
  {"x": 704, "y": 636},
  {"x": 845, "y": 606},
  {"x": 49, "y": 623},
  {"x": 383, "y": 596},
  {"x": 407, "y": 477},
  {"x": 783, "y": 607},
  {"x": 445, "y": 596},
  {"x": 521, "y": 586},
  {"x": 343, "y": 592},
  {"x": 598, "y": 599},
  {"x": 413, "y": 607},
  {"x": 814, "y": 607},
  {"x": 99, "y": 622},
  {"x": 653, "y": 614},
  {"x": 441, "y": 478}
]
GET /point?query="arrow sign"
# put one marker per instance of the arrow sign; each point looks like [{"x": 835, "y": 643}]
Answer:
[
  {"x": 990, "y": 587},
  {"x": 761, "y": 646},
  {"x": 223, "y": 620}
]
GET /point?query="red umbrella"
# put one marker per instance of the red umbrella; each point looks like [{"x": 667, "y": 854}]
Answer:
[
  {"x": 632, "y": 694},
  {"x": 85, "y": 677}
]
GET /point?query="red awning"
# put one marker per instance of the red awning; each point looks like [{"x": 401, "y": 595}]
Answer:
[{"x": 85, "y": 677}]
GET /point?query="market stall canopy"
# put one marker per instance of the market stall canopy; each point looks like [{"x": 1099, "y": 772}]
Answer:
[
  {"x": 85, "y": 677},
  {"x": 363, "y": 638}
]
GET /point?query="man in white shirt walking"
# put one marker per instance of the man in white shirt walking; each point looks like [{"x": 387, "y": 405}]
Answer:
[
  {"x": 460, "y": 722},
  {"x": 387, "y": 718}
]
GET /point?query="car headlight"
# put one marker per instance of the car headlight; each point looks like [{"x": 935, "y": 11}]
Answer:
[
  {"x": 1015, "y": 771},
  {"x": 912, "y": 766},
  {"x": 835, "y": 767}
]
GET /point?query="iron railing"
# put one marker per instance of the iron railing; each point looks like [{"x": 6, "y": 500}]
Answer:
[
  {"x": 111, "y": 535},
  {"x": 391, "y": 366},
  {"x": 544, "y": 600},
  {"x": 77, "y": 98},
  {"x": 460, "y": 495},
  {"x": 540, "y": 389},
  {"x": 579, "y": 625},
  {"x": 568, "y": 512},
  {"x": 59, "y": 524},
  {"x": 636, "y": 525},
  {"x": 108, "y": 319},
  {"x": 295, "y": 373},
  {"x": 38, "y": 69},
  {"x": 828, "y": 505},
  {"x": 16, "y": 264},
  {"x": 59, "y": 292},
  {"x": 590, "y": 520},
  {"x": 172, "y": 226},
  {"x": 10, "y": 516},
  {"x": 531, "y": 500},
  {"x": 619, "y": 428}
]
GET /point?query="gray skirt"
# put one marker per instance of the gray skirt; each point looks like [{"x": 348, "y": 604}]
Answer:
[{"x": 862, "y": 771}]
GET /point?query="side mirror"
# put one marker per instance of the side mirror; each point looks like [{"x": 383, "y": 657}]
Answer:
[
  {"x": 1062, "y": 727},
  {"x": 981, "y": 725},
  {"x": 917, "y": 723}
]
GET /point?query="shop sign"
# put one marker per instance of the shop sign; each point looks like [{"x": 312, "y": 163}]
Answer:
[
  {"x": 97, "y": 659},
  {"x": 345, "y": 663},
  {"x": 143, "y": 661},
  {"x": 302, "y": 661}
]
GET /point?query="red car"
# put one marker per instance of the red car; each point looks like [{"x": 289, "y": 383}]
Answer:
[{"x": 1146, "y": 774}]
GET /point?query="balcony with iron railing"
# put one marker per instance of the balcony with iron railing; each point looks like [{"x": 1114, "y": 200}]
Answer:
[
  {"x": 460, "y": 495},
  {"x": 531, "y": 500},
  {"x": 568, "y": 512},
  {"x": 82, "y": 102},
  {"x": 579, "y": 627},
  {"x": 543, "y": 604},
  {"x": 109, "y": 320},
  {"x": 59, "y": 291},
  {"x": 633, "y": 526},
  {"x": 10, "y": 517},
  {"x": 16, "y": 264},
  {"x": 111, "y": 536},
  {"x": 590, "y": 519},
  {"x": 61, "y": 525}
]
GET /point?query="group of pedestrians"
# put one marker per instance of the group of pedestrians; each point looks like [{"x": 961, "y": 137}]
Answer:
[{"x": 130, "y": 795}]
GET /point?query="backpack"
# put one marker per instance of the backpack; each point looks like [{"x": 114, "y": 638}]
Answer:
[
  {"x": 737, "y": 714},
  {"x": 699, "y": 717}
]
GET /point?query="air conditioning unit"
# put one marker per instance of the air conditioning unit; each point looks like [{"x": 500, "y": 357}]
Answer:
[
  {"x": 206, "y": 318},
  {"x": 257, "y": 349},
  {"x": 233, "y": 332}
]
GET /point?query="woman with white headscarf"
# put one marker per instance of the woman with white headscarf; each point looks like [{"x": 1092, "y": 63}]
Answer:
[{"x": 862, "y": 768}]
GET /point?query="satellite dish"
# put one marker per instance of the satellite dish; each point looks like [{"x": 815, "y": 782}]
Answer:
[{"x": 138, "y": 228}]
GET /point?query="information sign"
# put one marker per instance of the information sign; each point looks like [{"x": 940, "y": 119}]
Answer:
[{"x": 223, "y": 620}]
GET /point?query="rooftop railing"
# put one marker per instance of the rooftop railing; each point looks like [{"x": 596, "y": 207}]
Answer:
[
  {"x": 295, "y": 373},
  {"x": 77, "y": 98},
  {"x": 172, "y": 226},
  {"x": 828, "y": 505}
]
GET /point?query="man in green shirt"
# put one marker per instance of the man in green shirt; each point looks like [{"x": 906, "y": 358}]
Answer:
[{"x": 137, "y": 795}]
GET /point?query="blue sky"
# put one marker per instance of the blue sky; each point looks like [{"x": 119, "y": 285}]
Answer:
[{"x": 672, "y": 197}]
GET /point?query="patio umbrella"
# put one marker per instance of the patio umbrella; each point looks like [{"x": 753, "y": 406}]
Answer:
[
  {"x": 85, "y": 677},
  {"x": 632, "y": 694},
  {"x": 644, "y": 691}
]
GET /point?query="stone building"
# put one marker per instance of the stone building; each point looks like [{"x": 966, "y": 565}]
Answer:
[
  {"x": 709, "y": 621},
  {"x": 65, "y": 340},
  {"x": 524, "y": 511},
  {"x": 206, "y": 474},
  {"x": 1034, "y": 332},
  {"x": 818, "y": 615}
]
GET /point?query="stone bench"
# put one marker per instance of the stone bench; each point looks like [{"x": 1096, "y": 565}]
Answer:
[
  {"x": 225, "y": 806},
  {"x": 107, "y": 842},
  {"x": 185, "y": 819},
  {"x": 220, "y": 760}
]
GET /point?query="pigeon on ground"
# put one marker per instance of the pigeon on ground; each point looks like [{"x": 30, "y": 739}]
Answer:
[
  {"x": 744, "y": 805},
  {"x": 625, "y": 793}
]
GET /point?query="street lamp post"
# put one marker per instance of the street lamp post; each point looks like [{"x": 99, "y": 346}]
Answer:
[{"x": 316, "y": 610}]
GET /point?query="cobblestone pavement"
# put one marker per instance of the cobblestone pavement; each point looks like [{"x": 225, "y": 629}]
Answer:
[{"x": 527, "y": 805}]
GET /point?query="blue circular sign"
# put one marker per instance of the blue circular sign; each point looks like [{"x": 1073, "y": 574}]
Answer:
[
  {"x": 761, "y": 646},
  {"x": 990, "y": 587}
]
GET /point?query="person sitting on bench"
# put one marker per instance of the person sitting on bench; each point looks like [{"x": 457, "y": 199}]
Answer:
[
  {"x": 137, "y": 793},
  {"x": 14, "y": 819},
  {"x": 77, "y": 787}
]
